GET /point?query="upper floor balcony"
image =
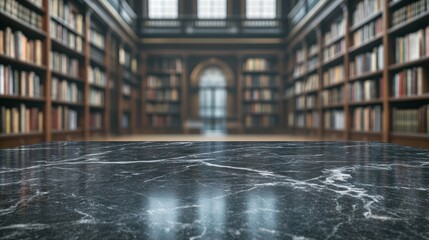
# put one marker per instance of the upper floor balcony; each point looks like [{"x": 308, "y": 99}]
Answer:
[{"x": 192, "y": 26}]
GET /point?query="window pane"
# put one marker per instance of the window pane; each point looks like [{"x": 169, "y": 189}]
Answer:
[
  {"x": 162, "y": 9},
  {"x": 261, "y": 9},
  {"x": 212, "y": 9}
]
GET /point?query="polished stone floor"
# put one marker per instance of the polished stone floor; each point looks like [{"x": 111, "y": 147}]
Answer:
[{"x": 214, "y": 190}]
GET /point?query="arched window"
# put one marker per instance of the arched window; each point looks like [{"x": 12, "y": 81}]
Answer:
[
  {"x": 212, "y": 9},
  {"x": 163, "y": 9},
  {"x": 261, "y": 9},
  {"x": 213, "y": 100}
]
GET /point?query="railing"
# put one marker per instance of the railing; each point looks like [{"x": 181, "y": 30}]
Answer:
[
  {"x": 125, "y": 11},
  {"x": 196, "y": 26},
  {"x": 301, "y": 9}
]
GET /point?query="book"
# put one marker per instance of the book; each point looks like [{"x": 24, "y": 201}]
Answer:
[
  {"x": 367, "y": 62},
  {"x": 333, "y": 75},
  {"x": 410, "y": 82},
  {"x": 15, "y": 82},
  {"x": 17, "y": 45}
]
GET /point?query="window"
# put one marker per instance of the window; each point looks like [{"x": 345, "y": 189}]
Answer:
[
  {"x": 261, "y": 9},
  {"x": 212, "y": 9},
  {"x": 163, "y": 9}
]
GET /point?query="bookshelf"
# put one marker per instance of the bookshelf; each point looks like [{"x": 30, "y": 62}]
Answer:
[
  {"x": 374, "y": 86},
  {"x": 261, "y": 93},
  {"x": 163, "y": 91},
  {"x": 97, "y": 77},
  {"x": 53, "y": 56}
]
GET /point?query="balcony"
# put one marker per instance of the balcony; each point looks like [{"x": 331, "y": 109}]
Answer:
[
  {"x": 191, "y": 26},
  {"x": 300, "y": 10},
  {"x": 125, "y": 11}
]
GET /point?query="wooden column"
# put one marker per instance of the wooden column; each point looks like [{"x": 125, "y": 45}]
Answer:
[
  {"x": 347, "y": 37},
  {"x": 386, "y": 74},
  {"x": 47, "y": 118}
]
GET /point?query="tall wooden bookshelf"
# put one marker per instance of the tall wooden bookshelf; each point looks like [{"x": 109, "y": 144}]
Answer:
[
  {"x": 58, "y": 86},
  {"x": 384, "y": 81},
  {"x": 163, "y": 92},
  {"x": 261, "y": 93}
]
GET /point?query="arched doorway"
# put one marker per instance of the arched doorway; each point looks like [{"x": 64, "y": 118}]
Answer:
[{"x": 213, "y": 100}]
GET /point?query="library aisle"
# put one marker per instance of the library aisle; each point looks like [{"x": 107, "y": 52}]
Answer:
[{"x": 214, "y": 190}]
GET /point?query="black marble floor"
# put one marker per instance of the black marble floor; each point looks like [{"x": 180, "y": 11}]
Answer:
[{"x": 212, "y": 190}]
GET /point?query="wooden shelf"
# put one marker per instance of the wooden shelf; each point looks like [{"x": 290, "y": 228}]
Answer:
[
  {"x": 5, "y": 137},
  {"x": 61, "y": 47},
  {"x": 21, "y": 25},
  {"x": 400, "y": 66},
  {"x": 333, "y": 41},
  {"x": 367, "y": 76},
  {"x": 405, "y": 26},
  {"x": 333, "y": 61},
  {"x": 363, "y": 47},
  {"x": 33, "y": 6},
  {"x": 334, "y": 85},
  {"x": 366, "y": 21},
  {"x": 266, "y": 72},
  {"x": 65, "y": 25},
  {"x": 409, "y": 99},
  {"x": 365, "y": 103},
  {"x": 67, "y": 77},
  {"x": 337, "y": 105},
  {"x": 70, "y": 104},
  {"x": 22, "y": 64},
  {"x": 22, "y": 98}
]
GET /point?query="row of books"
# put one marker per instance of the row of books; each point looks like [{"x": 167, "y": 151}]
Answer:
[
  {"x": 311, "y": 102},
  {"x": 334, "y": 50},
  {"x": 163, "y": 95},
  {"x": 257, "y": 64},
  {"x": 68, "y": 14},
  {"x": 172, "y": 108},
  {"x": 333, "y": 96},
  {"x": 300, "y": 56},
  {"x": 414, "y": 120},
  {"x": 66, "y": 37},
  {"x": 16, "y": 9},
  {"x": 260, "y": 121},
  {"x": 124, "y": 57},
  {"x": 300, "y": 103},
  {"x": 20, "y": 119},
  {"x": 261, "y": 81},
  {"x": 311, "y": 83},
  {"x": 126, "y": 89},
  {"x": 166, "y": 65},
  {"x": 367, "y": 62},
  {"x": 65, "y": 91},
  {"x": 163, "y": 81},
  {"x": 96, "y": 120},
  {"x": 96, "y": 38},
  {"x": 165, "y": 121},
  {"x": 96, "y": 98},
  {"x": 365, "y": 90},
  {"x": 410, "y": 82},
  {"x": 368, "y": 32},
  {"x": 97, "y": 76},
  {"x": 260, "y": 108},
  {"x": 412, "y": 46},
  {"x": 366, "y": 9},
  {"x": 299, "y": 120},
  {"x": 334, "y": 120},
  {"x": 333, "y": 75},
  {"x": 299, "y": 70},
  {"x": 367, "y": 119},
  {"x": 312, "y": 119},
  {"x": 17, "y": 45},
  {"x": 410, "y": 11},
  {"x": 64, "y": 64},
  {"x": 260, "y": 95},
  {"x": 126, "y": 120},
  {"x": 336, "y": 30},
  {"x": 64, "y": 118},
  {"x": 312, "y": 63},
  {"x": 15, "y": 82},
  {"x": 313, "y": 50}
]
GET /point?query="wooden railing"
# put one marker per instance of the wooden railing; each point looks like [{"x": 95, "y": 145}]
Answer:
[
  {"x": 301, "y": 9},
  {"x": 192, "y": 25}
]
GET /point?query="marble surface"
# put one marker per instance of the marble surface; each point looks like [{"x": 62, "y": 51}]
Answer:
[{"x": 185, "y": 190}]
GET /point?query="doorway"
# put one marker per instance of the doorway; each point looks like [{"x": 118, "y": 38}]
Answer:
[{"x": 213, "y": 101}]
